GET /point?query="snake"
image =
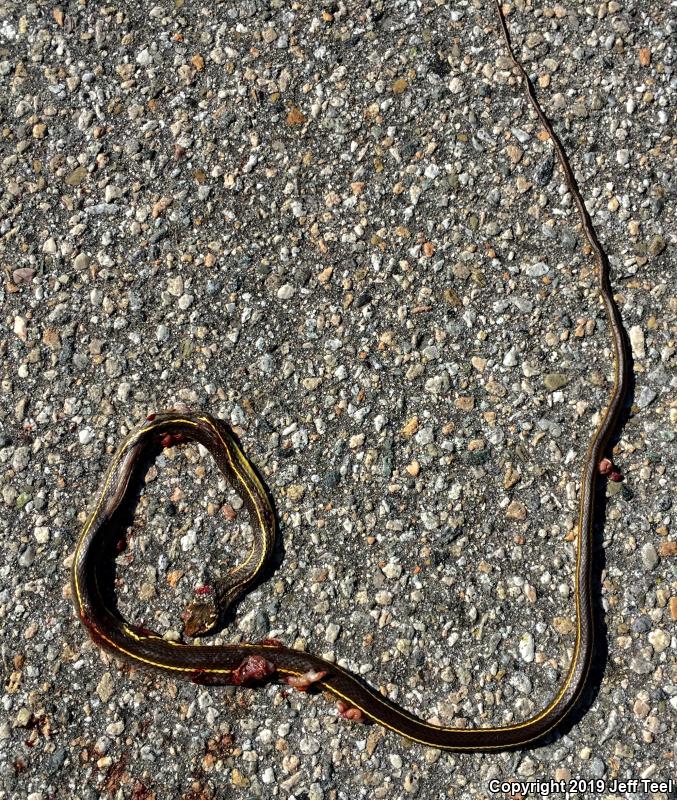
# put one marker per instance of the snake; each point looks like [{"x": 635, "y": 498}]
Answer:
[{"x": 269, "y": 660}]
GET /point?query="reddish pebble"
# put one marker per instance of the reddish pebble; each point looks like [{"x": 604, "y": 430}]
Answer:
[
  {"x": 201, "y": 590},
  {"x": 615, "y": 476},
  {"x": 252, "y": 668}
]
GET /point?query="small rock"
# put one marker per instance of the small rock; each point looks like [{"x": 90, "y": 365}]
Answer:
[
  {"x": 286, "y": 292},
  {"x": 175, "y": 286},
  {"x": 22, "y": 718},
  {"x": 23, "y": 275},
  {"x": 649, "y": 556},
  {"x": 637, "y": 341},
  {"x": 105, "y": 687},
  {"x": 640, "y": 707},
  {"x": 21, "y": 459},
  {"x": 41, "y": 534},
  {"x": 81, "y": 261},
  {"x": 659, "y": 640},
  {"x": 309, "y": 746},
  {"x": 511, "y": 477},
  {"x": 523, "y": 304},
  {"x": 668, "y": 548},
  {"x": 27, "y": 557},
  {"x": 642, "y": 624},
  {"x": 295, "y": 117},
  {"x": 646, "y": 397},
  {"x": 413, "y": 468},
  {"x": 455, "y": 85},
  {"x": 597, "y": 767},
  {"x": 425, "y": 436},
  {"x": 77, "y": 176},
  {"x": 526, "y": 647},
  {"x": 516, "y": 510},
  {"x": 410, "y": 427},
  {"x": 331, "y": 632},
  {"x": 85, "y": 435},
  {"x": 555, "y": 380},
  {"x": 20, "y": 328},
  {"x": 437, "y": 384},
  {"x": 296, "y": 492},
  {"x": 527, "y": 767},
  {"x": 656, "y": 245},
  {"x": 392, "y": 570},
  {"x": 510, "y": 358}
]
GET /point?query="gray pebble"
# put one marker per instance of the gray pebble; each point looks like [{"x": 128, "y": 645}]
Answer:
[
  {"x": 646, "y": 397},
  {"x": 649, "y": 556},
  {"x": 21, "y": 459}
]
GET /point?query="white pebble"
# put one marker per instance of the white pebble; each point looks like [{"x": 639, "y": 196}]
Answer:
[
  {"x": 392, "y": 570},
  {"x": 286, "y": 292},
  {"x": 332, "y": 631},
  {"x": 267, "y": 776},
  {"x": 309, "y": 746},
  {"x": 659, "y": 640},
  {"x": 175, "y": 286},
  {"x": 637, "y": 341},
  {"x": 526, "y": 647},
  {"x": 510, "y": 358},
  {"x": 41, "y": 534},
  {"x": 20, "y": 328},
  {"x": 188, "y": 541}
]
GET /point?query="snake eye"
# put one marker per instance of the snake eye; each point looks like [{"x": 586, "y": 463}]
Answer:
[{"x": 151, "y": 417}]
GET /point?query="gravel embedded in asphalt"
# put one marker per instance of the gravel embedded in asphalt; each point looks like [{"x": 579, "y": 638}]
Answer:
[{"x": 342, "y": 230}]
